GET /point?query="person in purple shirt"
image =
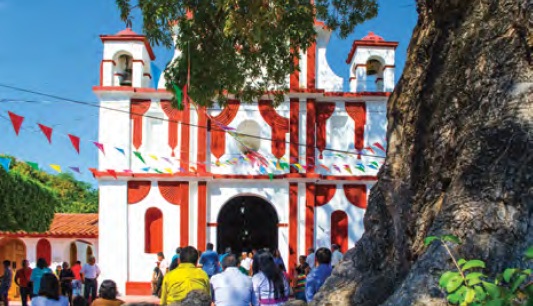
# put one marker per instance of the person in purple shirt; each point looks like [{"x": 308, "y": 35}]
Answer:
[
  {"x": 319, "y": 274},
  {"x": 209, "y": 261}
]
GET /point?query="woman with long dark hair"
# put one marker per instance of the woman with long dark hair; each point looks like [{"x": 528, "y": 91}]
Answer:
[
  {"x": 107, "y": 296},
  {"x": 36, "y": 274},
  {"x": 269, "y": 284},
  {"x": 49, "y": 292}
]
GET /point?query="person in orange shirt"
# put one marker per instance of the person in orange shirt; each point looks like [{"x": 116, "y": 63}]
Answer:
[{"x": 22, "y": 279}]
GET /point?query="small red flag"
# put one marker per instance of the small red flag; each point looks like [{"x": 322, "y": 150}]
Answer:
[
  {"x": 113, "y": 173},
  {"x": 75, "y": 140},
  {"x": 379, "y": 146},
  {"x": 370, "y": 149},
  {"x": 16, "y": 120},
  {"x": 47, "y": 131}
]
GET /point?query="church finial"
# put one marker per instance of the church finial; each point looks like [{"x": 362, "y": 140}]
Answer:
[{"x": 128, "y": 23}]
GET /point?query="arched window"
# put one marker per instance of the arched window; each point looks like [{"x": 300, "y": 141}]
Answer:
[
  {"x": 44, "y": 250},
  {"x": 123, "y": 71},
  {"x": 374, "y": 75},
  {"x": 153, "y": 231},
  {"x": 339, "y": 229}
]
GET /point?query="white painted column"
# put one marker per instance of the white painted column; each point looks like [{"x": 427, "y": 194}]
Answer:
[
  {"x": 388, "y": 79},
  {"x": 303, "y": 69},
  {"x": 302, "y": 139},
  {"x": 113, "y": 232},
  {"x": 301, "y": 219},
  {"x": 193, "y": 215},
  {"x": 137, "y": 76},
  {"x": 360, "y": 81}
]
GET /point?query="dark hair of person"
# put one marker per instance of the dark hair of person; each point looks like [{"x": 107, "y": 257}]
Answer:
[
  {"x": 229, "y": 261},
  {"x": 173, "y": 264},
  {"x": 178, "y": 250},
  {"x": 78, "y": 262},
  {"x": 303, "y": 257},
  {"x": 189, "y": 255},
  {"x": 272, "y": 273},
  {"x": 196, "y": 298},
  {"x": 79, "y": 301},
  {"x": 335, "y": 247},
  {"x": 209, "y": 246},
  {"x": 25, "y": 262},
  {"x": 41, "y": 263},
  {"x": 49, "y": 286},
  {"x": 323, "y": 256},
  {"x": 277, "y": 254},
  {"x": 160, "y": 254},
  {"x": 6, "y": 263},
  {"x": 108, "y": 290},
  {"x": 255, "y": 262},
  {"x": 141, "y": 304}
]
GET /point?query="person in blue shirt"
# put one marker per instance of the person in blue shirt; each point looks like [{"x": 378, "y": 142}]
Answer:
[
  {"x": 176, "y": 256},
  {"x": 222, "y": 256},
  {"x": 319, "y": 274},
  {"x": 209, "y": 261},
  {"x": 37, "y": 274}
]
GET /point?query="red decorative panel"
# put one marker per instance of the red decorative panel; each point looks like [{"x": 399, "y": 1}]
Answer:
[
  {"x": 310, "y": 135},
  {"x": 137, "y": 110},
  {"x": 339, "y": 229},
  {"x": 279, "y": 125},
  {"x": 324, "y": 112},
  {"x": 293, "y": 225},
  {"x": 44, "y": 250},
  {"x": 153, "y": 231},
  {"x": 294, "y": 132},
  {"x": 357, "y": 111},
  {"x": 138, "y": 288},
  {"x": 138, "y": 190},
  {"x": 311, "y": 66},
  {"x": 324, "y": 194},
  {"x": 295, "y": 75},
  {"x": 218, "y": 135},
  {"x": 174, "y": 117},
  {"x": 171, "y": 191},
  {"x": 309, "y": 215},
  {"x": 185, "y": 137},
  {"x": 356, "y": 194},
  {"x": 202, "y": 215}
]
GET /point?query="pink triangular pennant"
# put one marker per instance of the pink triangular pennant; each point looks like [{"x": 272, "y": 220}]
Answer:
[
  {"x": 47, "y": 131},
  {"x": 100, "y": 146},
  {"x": 75, "y": 140},
  {"x": 16, "y": 120}
]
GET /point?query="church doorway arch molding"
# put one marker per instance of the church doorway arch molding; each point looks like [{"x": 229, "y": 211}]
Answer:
[{"x": 247, "y": 222}]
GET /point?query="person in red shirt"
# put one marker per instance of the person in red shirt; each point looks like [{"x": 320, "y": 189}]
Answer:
[
  {"x": 76, "y": 283},
  {"x": 22, "y": 279}
]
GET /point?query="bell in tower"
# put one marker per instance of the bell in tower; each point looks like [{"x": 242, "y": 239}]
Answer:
[
  {"x": 373, "y": 67},
  {"x": 127, "y": 71}
]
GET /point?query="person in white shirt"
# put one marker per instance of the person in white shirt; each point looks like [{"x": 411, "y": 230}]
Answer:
[
  {"x": 336, "y": 256},
  {"x": 163, "y": 263},
  {"x": 89, "y": 275},
  {"x": 246, "y": 262},
  {"x": 232, "y": 287},
  {"x": 310, "y": 257}
]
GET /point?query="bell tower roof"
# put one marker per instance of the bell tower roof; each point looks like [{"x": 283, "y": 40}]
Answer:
[
  {"x": 129, "y": 35},
  {"x": 370, "y": 40}
]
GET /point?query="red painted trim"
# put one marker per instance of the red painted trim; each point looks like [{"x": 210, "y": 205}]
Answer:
[
  {"x": 212, "y": 224},
  {"x": 310, "y": 135},
  {"x": 171, "y": 191},
  {"x": 137, "y": 110},
  {"x": 366, "y": 43},
  {"x": 357, "y": 111},
  {"x": 388, "y": 66},
  {"x": 202, "y": 137},
  {"x": 309, "y": 215},
  {"x": 138, "y": 61},
  {"x": 138, "y": 190},
  {"x": 283, "y": 224},
  {"x": 138, "y": 288},
  {"x": 293, "y": 224},
  {"x": 324, "y": 194},
  {"x": 48, "y": 235},
  {"x": 153, "y": 231},
  {"x": 129, "y": 88},
  {"x": 339, "y": 229},
  {"x": 174, "y": 117},
  {"x": 357, "y": 94},
  {"x": 324, "y": 112},
  {"x": 294, "y": 132},
  {"x": 278, "y": 124},
  {"x": 218, "y": 135},
  {"x": 311, "y": 66},
  {"x": 147, "y": 74},
  {"x": 184, "y": 214},
  {"x": 295, "y": 75},
  {"x": 356, "y": 194},
  {"x": 185, "y": 137},
  {"x": 202, "y": 214}
]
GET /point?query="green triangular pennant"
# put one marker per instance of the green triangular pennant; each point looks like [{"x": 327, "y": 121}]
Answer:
[
  {"x": 139, "y": 156},
  {"x": 271, "y": 176},
  {"x": 35, "y": 166},
  {"x": 361, "y": 168},
  {"x": 157, "y": 170},
  {"x": 179, "y": 96}
]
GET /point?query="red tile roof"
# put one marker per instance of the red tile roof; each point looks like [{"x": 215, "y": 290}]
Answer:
[{"x": 66, "y": 225}]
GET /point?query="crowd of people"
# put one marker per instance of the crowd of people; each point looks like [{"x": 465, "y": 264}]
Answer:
[{"x": 259, "y": 277}]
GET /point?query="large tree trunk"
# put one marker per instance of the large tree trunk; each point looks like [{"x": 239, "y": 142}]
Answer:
[{"x": 459, "y": 161}]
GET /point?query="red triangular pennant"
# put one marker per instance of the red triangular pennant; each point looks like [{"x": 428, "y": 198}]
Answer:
[
  {"x": 113, "y": 173},
  {"x": 379, "y": 146},
  {"x": 16, "y": 120},
  {"x": 47, "y": 131},
  {"x": 75, "y": 140}
]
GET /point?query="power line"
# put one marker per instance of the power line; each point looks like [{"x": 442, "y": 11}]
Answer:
[{"x": 97, "y": 105}]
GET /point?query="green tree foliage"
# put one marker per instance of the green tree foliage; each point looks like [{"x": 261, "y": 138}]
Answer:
[{"x": 240, "y": 47}]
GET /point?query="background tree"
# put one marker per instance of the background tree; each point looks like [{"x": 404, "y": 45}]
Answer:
[
  {"x": 240, "y": 47},
  {"x": 459, "y": 160}
]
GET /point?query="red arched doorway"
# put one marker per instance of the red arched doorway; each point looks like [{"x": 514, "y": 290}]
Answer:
[
  {"x": 44, "y": 250},
  {"x": 153, "y": 231},
  {"x": 14, "y": 250},
  {"x": 339, "y": 229}
]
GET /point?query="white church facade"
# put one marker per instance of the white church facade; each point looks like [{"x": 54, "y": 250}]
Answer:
[{"x": 186, "y": 181}]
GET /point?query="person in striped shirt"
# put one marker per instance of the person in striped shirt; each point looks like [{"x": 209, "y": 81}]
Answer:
[{"x": 300, "y": 275}]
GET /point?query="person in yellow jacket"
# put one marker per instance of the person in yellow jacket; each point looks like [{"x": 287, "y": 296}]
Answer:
[{"x": 184, "y": 279}]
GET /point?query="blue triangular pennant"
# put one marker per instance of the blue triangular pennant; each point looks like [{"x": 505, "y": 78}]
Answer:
[
  {"x": 156, "y": 74},
  {"x": 5, "y": 162},
  {"x": 146, "y": 169},
  {"x": 121, "y": 151}
]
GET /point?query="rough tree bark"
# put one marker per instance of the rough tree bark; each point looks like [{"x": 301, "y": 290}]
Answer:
[{"x": 459, "y": 161}]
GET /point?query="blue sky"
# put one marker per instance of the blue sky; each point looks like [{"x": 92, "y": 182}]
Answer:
[{"x": 54, "y": 47}]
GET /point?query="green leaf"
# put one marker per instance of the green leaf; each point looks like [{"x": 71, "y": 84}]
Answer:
[
  {"x": 470, "y": 295},
  {"x": 518, "y": 282},
  {"x": 429, "y": 240},
  {"x": 461, "y": 262},
  {"x": 508, "y": 273},
  {"x": 492, "y": 290},
  {"x": 474, "y": 263},
  {"x": 480, "y": 293},
  {"x": 451, "y": 238},
  {"x": 454, "y": 298},
  {"x": 498, "y": 302},
  {"x": 445, "y": 278},
  {"x": 529, "y": 253},
  {"x": 454, "y": 283},
  {"x": 474, "y": 275}
]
